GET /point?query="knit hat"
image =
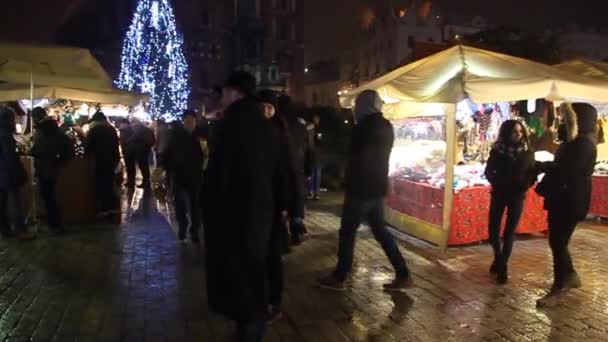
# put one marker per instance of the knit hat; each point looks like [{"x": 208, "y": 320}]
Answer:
[
  {"x": 268, "y": 96},
  {"x": 368, "y": 102},
  {"x": 586, "y": 117},
  {"x": 242, "y": 82}
]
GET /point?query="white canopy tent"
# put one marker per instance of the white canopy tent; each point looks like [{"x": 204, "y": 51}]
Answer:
[
  {"x": 436, "y": 84},
  {"x": 32, "y": 71},
  {"x": 14, "y": 92},
  {"x": 586, "y": 68}
]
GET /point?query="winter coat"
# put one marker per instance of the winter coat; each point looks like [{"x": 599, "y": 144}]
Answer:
[
  {"x": 138, "y": 139},
  {"x": 368, "y": 158},
  {"x": 239, "y": 210},
  {"x": 183, "y": 158},
  {"x": 102, "y": 146},
  {"x": 51, "y": 149},
  {"x": 511, "y": 177},
  {"x": 12, "y": 171},
  {"x": 566, "y": 185}
]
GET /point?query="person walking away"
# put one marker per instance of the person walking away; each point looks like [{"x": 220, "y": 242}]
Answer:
[
  {"x": 240, "y": 209},
  {"x": 126, "y": 135},
  {"x": 314, "y": 185},
  {"x": 141, "y": 144},
  {"x": 51, "y": 150},
  {"x": 511, "y": 172},
  {"x": 12, "y": 177},
  {"x": 366, "y": 186},
  {"x": 566, "y": 188},
  {"x": 183, "y": 162},
  {"x": 102, "y": 149},
  {"x": 302, "y": 151}
]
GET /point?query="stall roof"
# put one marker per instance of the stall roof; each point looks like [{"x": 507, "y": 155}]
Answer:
[
  {"x": 482, "y": 76},
  {"x": 586, "y": 68},
  {"x": 15, "y": 91},
  {"x": 52, "y": 65}
]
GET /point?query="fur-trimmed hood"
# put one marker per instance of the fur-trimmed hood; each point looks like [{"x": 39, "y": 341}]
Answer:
[{"x": 578, "y": 119}]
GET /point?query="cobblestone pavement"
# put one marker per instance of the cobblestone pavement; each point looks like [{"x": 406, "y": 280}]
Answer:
[{"x": 134, "y": 282}]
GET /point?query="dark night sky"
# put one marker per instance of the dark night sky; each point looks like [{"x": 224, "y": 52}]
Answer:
[{"x": 331, "y": 22}]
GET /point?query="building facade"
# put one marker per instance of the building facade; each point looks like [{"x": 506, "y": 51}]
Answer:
[{"x": 590, "y": 44}]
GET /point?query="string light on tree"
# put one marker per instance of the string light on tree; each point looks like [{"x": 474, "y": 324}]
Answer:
[{"x": 153, "y": 61}]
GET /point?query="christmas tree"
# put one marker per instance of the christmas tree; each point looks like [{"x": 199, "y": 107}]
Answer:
[{"x": 153, "y": 61}]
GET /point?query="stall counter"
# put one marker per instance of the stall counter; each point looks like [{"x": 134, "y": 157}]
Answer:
[{"x": 417, "y": 204}]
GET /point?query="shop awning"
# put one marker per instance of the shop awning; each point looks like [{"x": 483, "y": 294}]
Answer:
[
  {"x": 52, "y": 65},
  {"x": 482, "y": 76},
  {"x": 57, "y": 72},
  {"x": 586, "y": 68},
  {"x": 14, "y": 92}
]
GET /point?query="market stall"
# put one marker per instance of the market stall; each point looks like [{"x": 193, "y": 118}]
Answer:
[
  {"x": 599, "y": 197},
  {"x": 446, "y": 203},
  {"x": 53, "y": 76}
]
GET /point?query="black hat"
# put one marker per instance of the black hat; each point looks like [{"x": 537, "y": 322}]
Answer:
[
  {"x": 38, "y": 114},
  {"x": 98, "y": 116},
  {"x": 242, "y": 82},
  {"x": 189, "y": 112}
]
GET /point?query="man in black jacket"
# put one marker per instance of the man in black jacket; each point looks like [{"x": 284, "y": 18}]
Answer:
[
  {"x": 183, "y": 161},
  {"x": 50, "y": 150},
  {"x": 366, "y": 187},
  {"x": 240, "y": 208}
]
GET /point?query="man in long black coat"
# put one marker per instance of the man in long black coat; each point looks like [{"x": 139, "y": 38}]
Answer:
[
  {"x": 102, "y": 148},
  {"x": 240, "y": 208}
]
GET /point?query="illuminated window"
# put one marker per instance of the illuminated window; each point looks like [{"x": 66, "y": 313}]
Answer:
[{"x": 402, "y": 13}]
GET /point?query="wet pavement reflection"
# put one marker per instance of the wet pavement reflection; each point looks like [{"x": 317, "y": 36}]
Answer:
[{"x": 135, "y": 282}]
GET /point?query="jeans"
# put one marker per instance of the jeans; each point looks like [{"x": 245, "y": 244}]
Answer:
[
  {"x": 354, "y": 212},
  {"x": 187, "y": 205},
  {"x": 142, "y": 160},
  {"x": 48, "y": 192},
  {"x": 11, "y": 200},
  {"x": 561, "y": 228},
  {"x": 314, "y": 186},
  {"x": 250, "y": 331},
  {"x": 514, "y": 207}
]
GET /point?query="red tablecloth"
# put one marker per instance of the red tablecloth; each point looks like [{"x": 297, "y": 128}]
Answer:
[
  {"x": 469, "y": 210},
  {"x": 599, "y": 196}
]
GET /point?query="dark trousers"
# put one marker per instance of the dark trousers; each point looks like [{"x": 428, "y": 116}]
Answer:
[
  {"x": 142, "y": 161},
  {"x": 561, "y": 228},
  {"x": 104, "y": 186},
  {"x": 187, "y": 205},
  {"x": 48, "y": 192},
  {"x": 354, "y": 212},
  {"x": 514, "y": 206},
  {"x": 250, "y": 331},
  {"x": 11, "y": 200},
  {"x": 275, "y": 264}
]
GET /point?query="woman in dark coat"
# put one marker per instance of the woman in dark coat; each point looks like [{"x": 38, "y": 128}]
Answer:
[
  {"x": 511, "y": 171},
  {"x": 566, "y": 188}
]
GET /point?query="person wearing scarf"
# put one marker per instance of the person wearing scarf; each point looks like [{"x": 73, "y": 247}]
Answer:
[{"x": 511, "y": 172}]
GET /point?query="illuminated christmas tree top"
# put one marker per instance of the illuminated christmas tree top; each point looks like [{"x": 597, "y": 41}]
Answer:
[{"x": 153, "y": 61}]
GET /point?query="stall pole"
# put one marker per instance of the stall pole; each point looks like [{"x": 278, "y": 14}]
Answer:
[
  {"x": 32, "y": 216},
  {"x": 450, "y": 159}
]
